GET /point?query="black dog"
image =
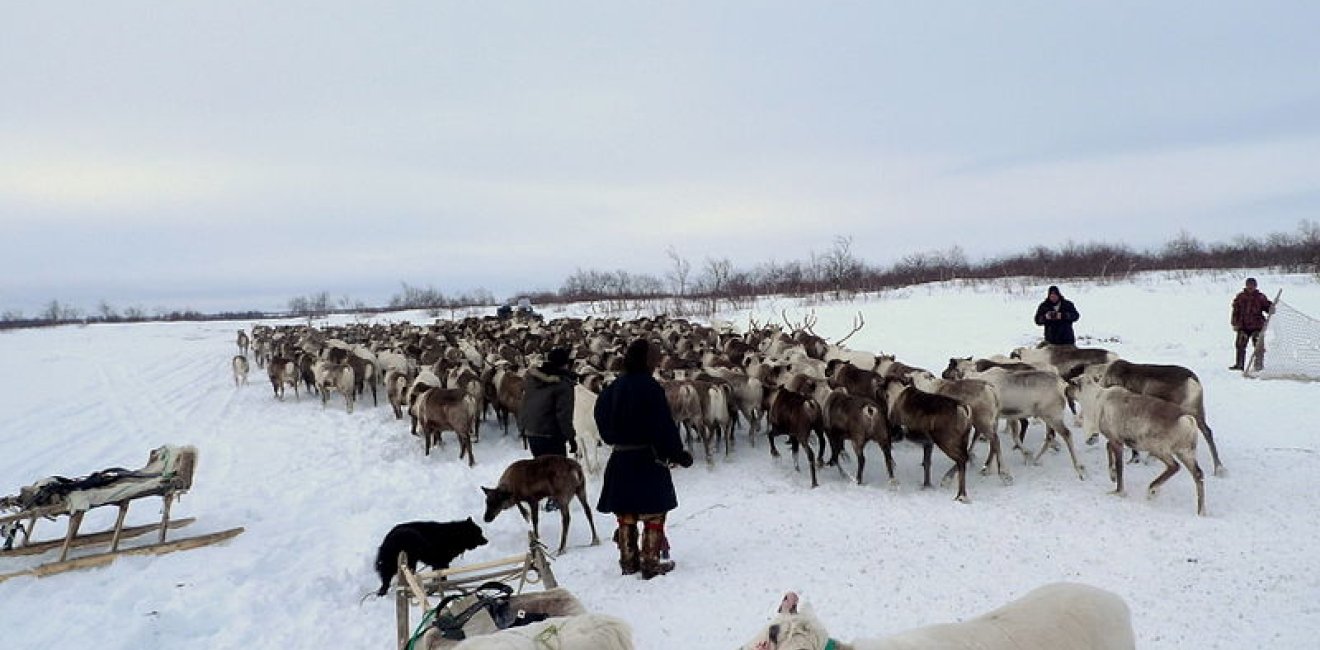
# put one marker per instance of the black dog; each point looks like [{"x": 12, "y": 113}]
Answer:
[{"x": 433, "y": 543}]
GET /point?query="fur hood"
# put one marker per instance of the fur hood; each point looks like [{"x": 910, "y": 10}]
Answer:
[{"x": 547, "y": 377}]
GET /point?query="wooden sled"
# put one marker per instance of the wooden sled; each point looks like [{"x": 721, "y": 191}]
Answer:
[
  {"x": 168, "y": 474},
  {"x": 426, "y": 589}
]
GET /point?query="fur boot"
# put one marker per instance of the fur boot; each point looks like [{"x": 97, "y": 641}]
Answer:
[
  {"x": 625, "y": 536},
  {"x": 653, "y": 542}
]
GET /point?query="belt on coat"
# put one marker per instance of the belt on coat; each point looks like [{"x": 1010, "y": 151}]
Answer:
[{"x": 633, "y": 448}]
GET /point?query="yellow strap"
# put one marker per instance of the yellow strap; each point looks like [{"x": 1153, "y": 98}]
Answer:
[{"x": 550, "y": 633}]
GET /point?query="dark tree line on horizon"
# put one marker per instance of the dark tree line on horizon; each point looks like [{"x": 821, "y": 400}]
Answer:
[{"x": 832, "y": 273}]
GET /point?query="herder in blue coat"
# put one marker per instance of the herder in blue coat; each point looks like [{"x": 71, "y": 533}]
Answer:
[{"x": 633, "y": 416}]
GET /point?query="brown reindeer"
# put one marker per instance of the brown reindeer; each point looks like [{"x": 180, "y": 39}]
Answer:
[
  {"x": 794, "y": 415},
  {"x": 525, "y": 482},
  {"x": 859, "y": 420},
  {"x": 685, "y": 406},
  {"x": 463, "y": 378},
  {"x": 932, "y": 420},
  {"x": 446, "y": 409},
  {"x": 508, "y": 398},
  {"x": 856, "y": 381},
  {"x": 282, "y": 372},
  {"x": 1174, "y": 384}
]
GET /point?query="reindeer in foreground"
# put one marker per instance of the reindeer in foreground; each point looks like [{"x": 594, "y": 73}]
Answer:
[{"x": 525, "y": 482}]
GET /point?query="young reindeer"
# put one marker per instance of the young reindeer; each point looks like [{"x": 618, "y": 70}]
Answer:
[
  {"x": 525, "y": 482},
  {"x": 241, "y": 368},
  {"x": 1160, "y": 428},
  {"x": 932, "y": 420},
  {"x": 859, "y": 420}
]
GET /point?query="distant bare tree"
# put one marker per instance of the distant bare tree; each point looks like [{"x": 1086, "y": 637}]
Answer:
[
  {"x": 1184, "y": 250},
  {"x": 839, "y": 268},
  {"x": 56, "y": 312},
  {"x": 107, "y": 312},
  {"x": 679, "y": 273},
  {"x": 714, "y": 279}
]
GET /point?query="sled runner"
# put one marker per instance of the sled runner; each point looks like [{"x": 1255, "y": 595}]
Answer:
[
  {"x": 478, "y": 599},
  {"x": 167, "y": 474}
]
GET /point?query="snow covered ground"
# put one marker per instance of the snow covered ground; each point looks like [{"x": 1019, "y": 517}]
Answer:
[{"x": 318, "y": 488}]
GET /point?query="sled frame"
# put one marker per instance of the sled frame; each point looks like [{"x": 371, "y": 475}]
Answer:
[{"x": 417, "y": 588}]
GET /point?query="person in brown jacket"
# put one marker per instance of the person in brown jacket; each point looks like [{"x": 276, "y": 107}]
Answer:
[{"x": 1250, "y": 310}]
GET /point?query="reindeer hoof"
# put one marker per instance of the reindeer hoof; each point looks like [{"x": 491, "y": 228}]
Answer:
[
  {"x": 1006, "y": 479},
  {"x": 1221, "y": 471},
  {"x": 962, "y": 498}
]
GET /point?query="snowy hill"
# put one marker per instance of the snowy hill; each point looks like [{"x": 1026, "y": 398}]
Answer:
[{"x": 318, "y": 488}]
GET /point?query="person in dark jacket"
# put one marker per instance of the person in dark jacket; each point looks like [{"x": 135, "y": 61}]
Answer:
[
  {"x": 1057, "y": 314},
  {"x": 547, "y": 407},
  {"x": 633, "y": 415},
  {"x": 1250, "y": 311}
]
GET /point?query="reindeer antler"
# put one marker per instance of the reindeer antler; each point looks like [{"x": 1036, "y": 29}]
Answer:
[
  {"x": 857, "y": 326},
  {"x": 809, "y": 320},
  {"x": 783, "y": 313}
]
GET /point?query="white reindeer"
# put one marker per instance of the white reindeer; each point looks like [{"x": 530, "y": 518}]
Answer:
[
  {"x": 584, "y": 423},
  {"x": 241, "y": 368},
  {"x": 1058, "y": 616}
]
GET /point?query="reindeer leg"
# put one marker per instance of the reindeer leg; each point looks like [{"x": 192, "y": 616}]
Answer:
[
  {"x": 1170, "y": 468},
  {"x": 563, "y": 520},
  {"x": 1220, "y": 470},
  {"x": 1067, "y": 440},
  {"x": 887, "y": 450},
  {"x": 534, "y": 509},
  {"x": 582, "y": 498},
  {"x": 1188, "y": 458},
  {"x": 926, "y": 449},
  {"x": 811, "y": 460},
  {"x": 997, "y": 452},
  {"x": 706, "y": 435},
  {"x": 858, "y": 448},
  {"x": 1116, "y": 455}
]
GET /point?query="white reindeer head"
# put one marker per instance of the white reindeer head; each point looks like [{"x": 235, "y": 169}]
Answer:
[{"x": 791, "y": 629}]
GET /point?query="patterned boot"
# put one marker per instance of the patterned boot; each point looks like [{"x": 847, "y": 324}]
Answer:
[
  {"x": 625, "y": 536},
  {"x": 653, "y": 543}
]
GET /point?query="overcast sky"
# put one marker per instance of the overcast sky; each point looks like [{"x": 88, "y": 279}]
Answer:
[{"x": 235, "y": 154}]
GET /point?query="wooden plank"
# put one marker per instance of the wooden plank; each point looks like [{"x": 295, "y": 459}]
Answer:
[
  {"x": 401, "y": 617},
  {"x": 411, "y": 580},
  {"x": 46, "y": 511},
  {"x": 93, "y": 538},
  {"x": 443, "y": 573},
  {"x": 102, "y": 559}
]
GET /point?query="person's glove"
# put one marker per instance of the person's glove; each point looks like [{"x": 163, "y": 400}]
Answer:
[
  {"x": 572, "y": 447},
  {"x": 683, "y": 458}
]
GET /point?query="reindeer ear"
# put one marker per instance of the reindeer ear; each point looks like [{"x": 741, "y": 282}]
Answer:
[
  {"x": 789, "y": 605},
  {"x": 486, "y": 489}
]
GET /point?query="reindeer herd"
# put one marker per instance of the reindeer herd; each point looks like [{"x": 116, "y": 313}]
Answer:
[{"x": 770, "y": 379}]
